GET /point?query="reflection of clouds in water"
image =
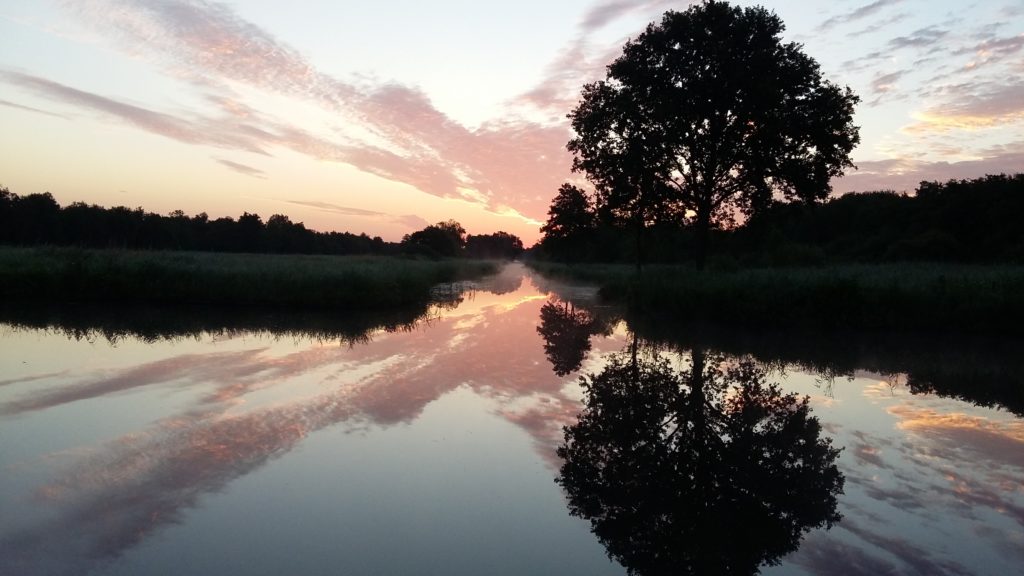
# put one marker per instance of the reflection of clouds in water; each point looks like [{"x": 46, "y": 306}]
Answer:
[
  {"x": 195, "y": 367},
  {"x": 33, "y": 378},
  {"x": 544, "y": 422},
  {"x": 114, "y": 495},
  {"x": 988, "y": 438},
  {"x": 934, "y": 464},
  {"x": 885, "y": 553},
  {"x": 111, "y": 499},
  {"x": 822, "y": 553}
]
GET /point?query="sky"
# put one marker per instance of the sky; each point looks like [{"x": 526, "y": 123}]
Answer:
[{"x": 384, "y": 117}]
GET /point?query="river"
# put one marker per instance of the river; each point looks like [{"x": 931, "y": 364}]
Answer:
[{"x": 428, "y": 442}]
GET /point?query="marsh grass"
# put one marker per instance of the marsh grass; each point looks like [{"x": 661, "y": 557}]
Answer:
[
  {"x": 288, "y": 281},
  {"x": 895, "y": 297}
]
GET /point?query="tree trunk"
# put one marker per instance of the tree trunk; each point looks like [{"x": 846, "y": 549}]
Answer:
[
  {"x": 640, "y": 248},
  {"x": 703, "y": 229}
]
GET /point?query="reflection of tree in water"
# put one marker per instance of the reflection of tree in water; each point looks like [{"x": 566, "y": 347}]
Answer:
[
  {"x": 710, "y": 471},
  {"x": 566, "y": 331}
]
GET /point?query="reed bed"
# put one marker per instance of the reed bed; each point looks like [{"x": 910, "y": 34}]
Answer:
[
  {"x": 938, "y": 297},
  {"x": 289, "y": 281}
]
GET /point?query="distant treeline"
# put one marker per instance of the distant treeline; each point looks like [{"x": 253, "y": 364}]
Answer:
[
  {"x": 969, "y": 221},
  {"x": 38, "y": 220}
]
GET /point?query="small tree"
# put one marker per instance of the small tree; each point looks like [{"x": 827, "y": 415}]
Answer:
[{"x": 707, "y": 113}]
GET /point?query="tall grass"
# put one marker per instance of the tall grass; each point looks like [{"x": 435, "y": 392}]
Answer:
[
  {"x": 891, "y": 296},
  {"x": 343, "y": 282}
]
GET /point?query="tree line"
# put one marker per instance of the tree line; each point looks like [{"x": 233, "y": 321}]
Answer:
[
  {"x": 968, "y": 221},
  {"x": 39, "y": 220}
]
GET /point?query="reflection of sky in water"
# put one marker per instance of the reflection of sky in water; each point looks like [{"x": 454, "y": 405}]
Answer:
[{"x": 424, "y": 451}]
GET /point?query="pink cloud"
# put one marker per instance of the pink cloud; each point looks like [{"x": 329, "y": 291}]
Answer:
[{"x": 421, "y": 146}]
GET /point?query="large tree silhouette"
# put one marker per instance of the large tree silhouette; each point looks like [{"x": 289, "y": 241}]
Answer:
[
  {"x": 710, "y": 471},
  {"x": 706, "y": 113}
]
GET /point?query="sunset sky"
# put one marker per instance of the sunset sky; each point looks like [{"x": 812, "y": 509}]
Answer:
[{"x": 382, "y": 117}]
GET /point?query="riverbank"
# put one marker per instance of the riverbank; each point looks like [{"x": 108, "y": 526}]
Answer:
[
  {"x": 286, "y": 281},
  {"x": 931, "y": 297}
]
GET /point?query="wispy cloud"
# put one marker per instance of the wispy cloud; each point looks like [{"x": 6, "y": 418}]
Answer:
[
  {"x": 199, "y": 131},
  {"x": 880, "y": 24},
  {"x": 607, "y": 11},
  {"x": 242, "y": 168},
  {"x": 972, "y": 107},
  {"x": 408, "y": 139},
  {"x": 410, "y": 221},
  {"x": 31, "y": 109},
  {"x": 857, "y": 14},
  {"x": 583, "y": 60},
  {"x": 884, "y": 83},
  {"x": 993, "y": 49},
  {"x": 343, "y": 210}
]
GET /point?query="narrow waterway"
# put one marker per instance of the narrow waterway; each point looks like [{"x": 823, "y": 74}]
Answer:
[{"x": 430, "y": 445}]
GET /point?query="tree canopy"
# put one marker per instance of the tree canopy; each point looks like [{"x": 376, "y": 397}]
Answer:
[
  {"x": 442, "y": 239},
  {"x": 708, "y": 113},
  {"x": 497, "y": 245}
]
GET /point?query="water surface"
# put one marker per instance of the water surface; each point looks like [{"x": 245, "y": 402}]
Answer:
[{"x": 425, "y": 442}]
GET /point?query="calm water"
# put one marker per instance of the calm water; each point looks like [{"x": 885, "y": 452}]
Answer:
[{"x": 136, "y": 444}]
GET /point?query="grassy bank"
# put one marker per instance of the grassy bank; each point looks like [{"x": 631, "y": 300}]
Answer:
[
  {"x": 942, "y": 297},
  {"x": 293, "y": 281}
]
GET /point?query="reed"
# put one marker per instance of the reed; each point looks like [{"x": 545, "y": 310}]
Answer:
[
  {"x": 940, "y": 297},
  {"x": 289, "y": 281}
]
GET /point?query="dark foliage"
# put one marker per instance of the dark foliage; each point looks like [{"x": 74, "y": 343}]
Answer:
[
  {"x": 706, "y": 114},
  {"x": 956, "y": 221},
  {"x": 983, "y": 370},
  {"x": 710, "y": 471},
  {"x": 566, "y": 331},
  {"x": 37, "y": 219},
  {"x": 444, "y": 239},
  {"x": 964, "y": 221},
  {"x": 500, "y": 245}
]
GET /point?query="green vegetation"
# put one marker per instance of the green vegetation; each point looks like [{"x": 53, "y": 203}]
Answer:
[
  {"x": 932, "y": 297},
  {"x": 337, "y": 282}
]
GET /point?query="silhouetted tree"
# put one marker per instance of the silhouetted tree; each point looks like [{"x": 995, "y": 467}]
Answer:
[
  {"x": 710, "y": 471},
  {"x": 442, "y": 239},
  {"x": 571, "y": 219},
  {"x": 498, "y": 245},
  {"x": 38, "y": 218},
  {"x": 249, "y": 233},
  {"x": 709, "y": 112}
]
